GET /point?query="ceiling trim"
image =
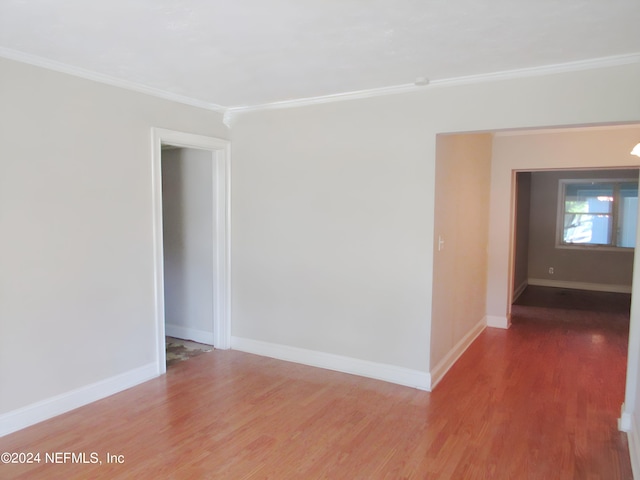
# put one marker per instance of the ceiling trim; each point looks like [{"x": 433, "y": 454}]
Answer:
[
  {"x": 231, "y": 112},
  {"x": 105, "y": 79},
  {"x": 517, "y": 132},
  {"x": 591, "y": 64}
]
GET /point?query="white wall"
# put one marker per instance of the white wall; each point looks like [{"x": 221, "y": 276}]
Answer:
[
  {"x": 521, "y": 240},
  {"x": 333, "y": 208},
  {"x": 461, "y": 223},
  {"x": 328, "y": 252},
  {"x": 76, "y": 256},
  {"x": 188, "y": 217}
]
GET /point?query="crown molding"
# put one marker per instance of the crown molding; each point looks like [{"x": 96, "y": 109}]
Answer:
[
  {"x": 592, "y": 64},
  {"x": 106, "y": 79},
  {"x": 519, "y": 132},
  {"x": 231, "y": 112}
]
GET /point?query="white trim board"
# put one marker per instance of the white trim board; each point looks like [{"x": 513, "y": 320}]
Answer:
[
  {"x": 185, "y": 333},
  {"x": 495, "y": 321},
  {"x": 519, "y": 132},
  {"x": 625, "y": 422},
  {"x": 230, "y": 111},
  {"x": 633, "y": 436},
  {"x": 595, "y": 63},
  {"x": 106, "y": 79},
  {"x": 329, "y": 361},
  {"x": 440, "y": 370},
  {"x": 594, "y": 287},
  {"x": 37, "y": 412}
]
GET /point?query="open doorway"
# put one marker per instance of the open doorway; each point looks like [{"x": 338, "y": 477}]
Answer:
[
  {"x": 191, "y": 228},
  {"x": 575, "y": 230},
  {"x": 584, "y": 148},
  {"x": 573, "y": 255},
  {"x": 188, "y": 214},
  {"x": 570, "y": 148}
]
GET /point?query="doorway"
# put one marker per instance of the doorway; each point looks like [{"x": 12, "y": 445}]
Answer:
[
  {"x": 583, "y": 147},
  {"x": 188, "y": 243},
  {"x": 599, "y": 148},
  {"x": 540, "y": 255},
  {"x": 191, "y": 245},
  {"x": 188, "y": 251}
]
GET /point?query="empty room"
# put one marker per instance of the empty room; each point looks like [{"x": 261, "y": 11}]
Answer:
[{"x": 377, "y": 295}]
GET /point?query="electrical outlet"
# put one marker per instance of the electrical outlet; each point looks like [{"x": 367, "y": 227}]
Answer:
[{"x": 550, "y": 270}]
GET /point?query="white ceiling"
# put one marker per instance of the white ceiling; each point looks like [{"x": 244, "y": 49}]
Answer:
[{"x": 251, "y": 52}]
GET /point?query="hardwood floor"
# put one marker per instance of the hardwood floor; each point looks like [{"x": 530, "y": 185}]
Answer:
[{"x": 538, "y": 401}]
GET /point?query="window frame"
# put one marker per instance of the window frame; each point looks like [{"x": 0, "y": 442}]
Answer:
[{"x": 561, "y": 205}]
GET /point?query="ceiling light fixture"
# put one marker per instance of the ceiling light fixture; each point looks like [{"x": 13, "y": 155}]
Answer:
[{"x": 636, "y": 150}]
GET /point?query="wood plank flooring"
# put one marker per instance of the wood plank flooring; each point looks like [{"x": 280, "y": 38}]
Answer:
[{"x": 539, "y": 401}]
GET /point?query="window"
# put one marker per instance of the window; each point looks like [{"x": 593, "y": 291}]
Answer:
[{"x": 598, "y": 213}]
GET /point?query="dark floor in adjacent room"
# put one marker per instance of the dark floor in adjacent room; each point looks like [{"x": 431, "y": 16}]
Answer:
[{"x": 571, "y": 299}]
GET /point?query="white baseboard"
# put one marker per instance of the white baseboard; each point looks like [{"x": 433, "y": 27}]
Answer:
[
  {"x": 177, "y": 331},
  {"x": 438, "y": 372},
  {"x": 634, "y": 446},
  {"x": 37, "y": 412},
  {"x": 363, "y": 368},
  {"x": 625, "y": 420},
  {"x": 594, "y": 287},
  {"x": 495, "y": 321}
]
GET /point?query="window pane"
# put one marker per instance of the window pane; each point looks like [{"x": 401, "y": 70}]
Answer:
[
  {"x": 585, "y": 228},
  {"x": 587, "y": 198},
  {"x": 627, "y": 216}
]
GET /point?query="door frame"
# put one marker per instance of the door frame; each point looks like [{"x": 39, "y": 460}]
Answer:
[{"x": 220, "y": 154}]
